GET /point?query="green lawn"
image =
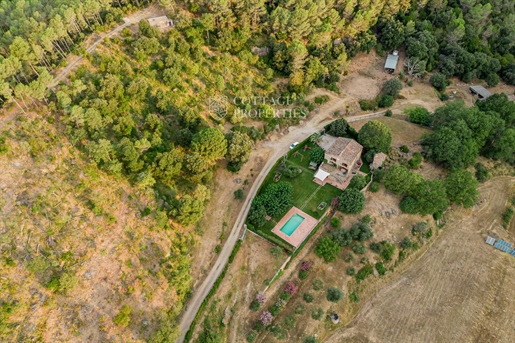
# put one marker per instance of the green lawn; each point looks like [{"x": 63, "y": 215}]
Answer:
[{"x": 307, "y": 195}]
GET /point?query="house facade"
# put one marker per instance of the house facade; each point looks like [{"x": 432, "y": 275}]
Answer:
[
  {"x": 342, "y": 162},
  {"x": 344, "y": 154}
]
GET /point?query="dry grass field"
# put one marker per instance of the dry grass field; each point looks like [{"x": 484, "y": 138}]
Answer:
[{"x": 461, "y": 290}]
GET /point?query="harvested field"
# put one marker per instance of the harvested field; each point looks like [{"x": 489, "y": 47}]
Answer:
[{"x": 460, "y": 290}]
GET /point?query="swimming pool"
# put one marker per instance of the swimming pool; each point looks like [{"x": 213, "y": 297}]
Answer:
[{"x": 292, "y": 224}]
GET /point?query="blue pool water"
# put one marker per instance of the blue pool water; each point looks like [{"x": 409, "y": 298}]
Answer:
[{"x": 292, "y": 224}]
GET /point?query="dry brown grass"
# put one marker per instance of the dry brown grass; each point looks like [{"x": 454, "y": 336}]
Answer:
[
  {"x": 47, "y": 196},
  {"x": 460, "y": 290}
]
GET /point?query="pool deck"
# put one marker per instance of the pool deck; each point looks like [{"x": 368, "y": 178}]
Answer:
[{"x": 302, "y": 231}]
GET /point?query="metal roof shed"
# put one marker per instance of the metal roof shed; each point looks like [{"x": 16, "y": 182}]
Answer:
[
  {"x": 481, "y": 91},
  {"x": 391, "y": 61}
]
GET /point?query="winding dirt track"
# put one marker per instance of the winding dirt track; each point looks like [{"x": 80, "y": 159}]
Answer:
[
  {"x": 134, "y": 18},
  {"x": 460, "y": 290}
]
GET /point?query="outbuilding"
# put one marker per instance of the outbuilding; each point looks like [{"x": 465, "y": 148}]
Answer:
[
  {"x": 391, "y": 62},
  {"x": 480, "y": 91}
]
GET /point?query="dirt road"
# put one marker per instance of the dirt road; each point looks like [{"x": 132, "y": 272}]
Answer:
[
  {"x": 134, "y": 18},
  {"x": 279, "y": 147}
]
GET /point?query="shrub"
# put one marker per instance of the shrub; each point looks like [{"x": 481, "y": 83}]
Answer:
[
  {"x": 388, "y": 249},
  {"x": 53, "y": 284},
  {"x": 123, "y": 317},
  {"x": 359, "y": 248},
  {"x": 275, "y": 251},
  {"x": 292, "y": 171},
  {"x": 342, "y": 237},
  {"x": 238, "y": 194},
  {"x": 308, "y": 297},
  {"x": 419, "y": 115},
  {"x": 37, "y": 264},
  {"x": 388, "y": 113},
  {"x": 404, "y": 149},
  {"x": 251, "y": 336},
  {"x": 335, "y": 222},
  {"x": 406, "y": 243},
  {"x": 415, "y": 161},
  {"x": 349, "y": 258},
  {"x": 327, "y": 249},
  {"x": 380, "y": 268},
  {"x": 316, "y": 155},
  {"x": 291, "y": 288},
  {"x": 364, "y": 272},
  {"x": 376, "y": 247},
  {"x": 507, "y": 216},
  {"x": 299, "y": 309},
  {"x": 334, "y": 294},
  {"x": 285, "y": 296},
  {"x": 354, "y": 297},
  {"x": 366, "y": 219},
  {"x": 266, "y": 318},
  {"x": 378, "y": 175},
  {"x": 367, "y": 105},
  {"x": 358, "y": 182},
  {"x": 290, "y": 321},
  {"x": 481, "y": 172},
  {"x": 386, "y": 101},
  {"x": 318, "y": 284},
  {"x": 317, "y": 313},
  {"x": 278, "y": 332},
  {"x": 310, "y": 339},
  {"x": 361, "y": 231},
  {"x": 392, "y": 87},
  {"x": 306, "y": 265},
  {"x": 350, "y": 271},
  {"x": 374, "y": 187},
  {"x": 439, "y": 81},
  {"x": 303, "y": 274},
  {"x": 258, "y": 326}
]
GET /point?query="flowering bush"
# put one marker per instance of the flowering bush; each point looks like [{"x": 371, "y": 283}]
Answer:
[
  {"x": 291, "y": 288},
  {"x": 280, "y": 303},
  {"x": 306, "y": 265},
  {"x": 260, "y": 298},
  {"x": 266, "y": 318}
]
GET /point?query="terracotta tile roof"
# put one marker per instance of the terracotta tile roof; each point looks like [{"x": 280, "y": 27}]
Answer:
[{"x": 346, "y": 149}]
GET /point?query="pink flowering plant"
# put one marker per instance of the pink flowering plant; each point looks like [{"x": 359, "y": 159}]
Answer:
[
  {"x": 260, "y": 298},
  {"x": 291, "y": 288},
  {"x": 306, "y": 265},
  {"x": 266, "y": 318}
]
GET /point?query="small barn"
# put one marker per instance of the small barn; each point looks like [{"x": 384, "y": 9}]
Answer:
[
  {"x": 391, "y": 62},
  {"x": 378, "y": 161},
  {"x": 161, "y": 22},
  {"x": 480, "y": 91}
]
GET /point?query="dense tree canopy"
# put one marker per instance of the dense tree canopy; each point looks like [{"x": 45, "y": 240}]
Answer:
[
  {"x": 351, "y": 201},
  {"x": 461, "y": 188},
  {"x": 375, "y": 135},
  {"x": 461, "y": 133}
]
